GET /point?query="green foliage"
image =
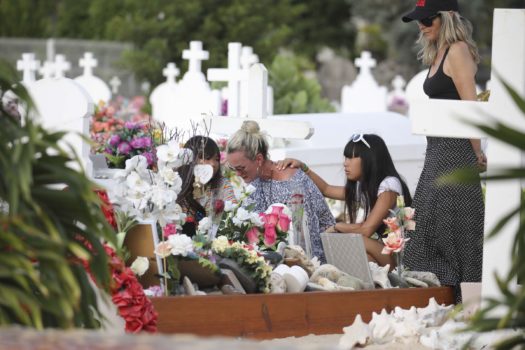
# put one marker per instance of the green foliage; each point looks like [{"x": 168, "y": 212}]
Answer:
[
  {"x": 45, "y": 229},
  {"x": 293, "y": 92}
]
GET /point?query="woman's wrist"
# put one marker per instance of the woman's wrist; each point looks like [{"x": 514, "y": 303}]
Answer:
[
  {"x": 335, "y": 228},
  {"x": 305, "y": 168}
]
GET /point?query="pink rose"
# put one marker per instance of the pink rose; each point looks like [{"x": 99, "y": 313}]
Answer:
[
  {"x": 276, "y": 209},
  {"x": 410, "y": 225},
  {"x": 169, "y": 229},
  {"x": 408, "y": 213},
  {"x": 252, "y": 235},
  {"x": 284, "y": 223},
  {"x": 393, "y": 243},
  {"x": 392, "y": 223},
  {"x": 270, "y": 236},
  {"x": 271, "y": 219}
]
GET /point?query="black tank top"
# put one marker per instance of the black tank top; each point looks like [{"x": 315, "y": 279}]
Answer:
[{"x": 440, "y": 85}]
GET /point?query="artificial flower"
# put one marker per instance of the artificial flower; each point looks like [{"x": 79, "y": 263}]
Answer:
[
  {"x": 181, "y": 244},
  {"x": 140, "y": 265}
]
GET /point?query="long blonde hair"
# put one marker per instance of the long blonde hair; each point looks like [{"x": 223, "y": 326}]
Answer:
[
  {"x": 248, "y": 139},
  {"x": 454, "y": 28}
]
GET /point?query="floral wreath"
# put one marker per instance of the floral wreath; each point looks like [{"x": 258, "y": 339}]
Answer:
[{"x": 247, "y": 258}]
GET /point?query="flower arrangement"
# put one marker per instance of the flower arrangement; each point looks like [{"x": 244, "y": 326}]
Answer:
[
  {"x": 148, "y": 194},
  {"x": 276, "y": 224},
  {"x": 104, "y": 123},
  {"x": 130, "y": 140},
  {"x": 239, "y": 222},
  {"x": 395, "y": 239},
  {"x": 248, "y": 258}
]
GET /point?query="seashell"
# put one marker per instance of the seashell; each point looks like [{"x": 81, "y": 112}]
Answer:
[
  {"x": 281, "y": 247},
  {"x": 430, "y": 340},
  {"x": 278, "y": 284},
  {"x": 204, "y": 172},
  {"x": 434, "y": 315},
  {"x": 296, "y": 279},
  {"x": 350, "y": 281},
  {"x": 327, "y": 284},
  {"x": 380, "y": 275},
  {"x": 327, "y": 271},
  {"x": 356, "y": 334},
  {"x": 381, "y": 328},
  {"x": 415, "y": 282},
  {"x": 400, "y": 314},
  {"x": 425, "y": 276}
]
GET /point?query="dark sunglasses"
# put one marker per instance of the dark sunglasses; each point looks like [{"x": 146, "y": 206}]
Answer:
[{"x": 427, "y": 21}]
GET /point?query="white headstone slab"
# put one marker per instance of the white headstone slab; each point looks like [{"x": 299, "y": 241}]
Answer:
[
  {"x": 163, "y": 97},
  {"x": 61, "y": 66},
  {"x": 364, "y": 95},
  {"x": 95, "y": 87},
  {"x": 249, "y": 58},
  {"x": 448, "y": 118},
  {"x": 63, "y": 104},
  {"x": 28, "y": 65},
  {"x": 414, "y": 88},
  {"x": 115, "y": 84},
  {"x": 396, "y": 99},
  {"x": 233, "y": 75}
]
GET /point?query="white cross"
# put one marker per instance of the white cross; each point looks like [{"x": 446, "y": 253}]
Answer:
[
  {"x": 61, "y": 66},
  {"x": 365, "y": 62},
  {"x": 115, "y": 83},
  {"x": 233, "y": 75},
  {"x": 28, "y": 65},
  {"x": 47, "y": 70},
  {"x": 450, "y": 118},
  {"x": 248, "y": 57},
  {"x": 195, "y": 55},
  {"x": 398, "y": 83},
  {"x": 171, "y": 72},
  {"x": 88, "y": 62},
  {"x": 258, "y": 85}
]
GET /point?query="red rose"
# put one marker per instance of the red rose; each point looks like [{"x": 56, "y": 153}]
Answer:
[{"x": 218, "y": 206}]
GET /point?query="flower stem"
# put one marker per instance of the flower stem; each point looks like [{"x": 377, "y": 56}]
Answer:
[{"x": 165, "y": 278}]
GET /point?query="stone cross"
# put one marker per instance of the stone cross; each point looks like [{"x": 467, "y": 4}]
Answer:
[
  {"x": 47, "y": 70},
  {"x": 258, "y": 87},
  {"x": 88, "y": 62},
  {"x": 451, "y": 119},
  {"x": 398, "y": 83},
  {"x": 248, "y": 58},
  {"x": 61, "y": 66},
  {"x": 28, "y": 65},
  {"x": 115, "y": 83},
  {"x": 195, "y": 55},
  {"x": 233, "y": 75},
  {"x": 365, "y": 63},
  {"x": 171, "y": 72}
]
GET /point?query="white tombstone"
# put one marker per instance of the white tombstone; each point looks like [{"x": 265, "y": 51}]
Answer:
[
  {"x": 95, "y": 87},
  {"x": 61, "y": 66},
  {"x": 28, "y": 65},
  {"x": 249, "y": 58},
  {"x": 451, "y": 118},
  {"x": 233, "y": 75},
  {"x": 396, "y": 99},
  {"x": 62, "y": 104},
  {"x": 364, "y": 95},
  {"x": 47, "y": 70},
  {"x": 414, "y": 88},
  {"x": 163, "y": 97},
  {"x": 194, "y": 98},
  {"x": 115, "y": 84},
  {"x": 258, "y": 87}
]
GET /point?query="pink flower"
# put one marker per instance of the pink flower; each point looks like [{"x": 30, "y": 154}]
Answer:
[
  {"x": 163, "y": 249},
  {"x": 276, "y": 209},
  {"x": 392, "y": 223},
  {"x": 394, "y": 242},
  {"x": 270, "y": 236},
  {"x": 410, "y": 225},
  {"x": 408, "y": 213},
  {"x": 252, "y": 235},
  {"x": 284, "y": 223},
  {"x": 271, "y": 219},
  {"x": 124, "y": 148},
  {"x": 169, "y": 229}
]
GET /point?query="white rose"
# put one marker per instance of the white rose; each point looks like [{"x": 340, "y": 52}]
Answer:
[
  {"x": 242, "y": 214},
  {"x": 140, "y": 265},
  {"x": 256, "y": 219},
  {"x": 219, "y": 244},
  {"x": 204, "y": 225},
  {"x": 181, "y": 244},
  {"x": 228, "y": 206},
  {"x": 250, "y": 189}
]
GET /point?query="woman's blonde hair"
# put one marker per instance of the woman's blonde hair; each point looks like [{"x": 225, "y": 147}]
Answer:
[
  {"x": 454, "y": 28},
  {"x": 249, "y": 140}
]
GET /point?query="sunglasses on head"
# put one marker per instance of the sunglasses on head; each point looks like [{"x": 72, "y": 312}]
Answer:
[
  {"x": 427, "y": 21},
  {"x": 359, "y": 137}
]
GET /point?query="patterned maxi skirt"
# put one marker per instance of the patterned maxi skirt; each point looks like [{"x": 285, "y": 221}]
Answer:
[{"x": 448, "y": 239}]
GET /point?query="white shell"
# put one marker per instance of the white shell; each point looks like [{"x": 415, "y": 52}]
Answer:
[
  {"x": 277, "y": 283},
  {"x": 296, "y": 279},
  {"x": 204, "y": 172},
  {"x": 356, "y": 334},
  {"x": 415, "y": 282},
  {"x": 380, "y": 275},
  {"x": 382, "y": 327},
  {"x": 434, "y": 315}
]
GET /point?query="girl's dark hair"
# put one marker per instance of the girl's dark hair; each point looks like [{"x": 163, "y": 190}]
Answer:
[
  {"x": 203, "y": 148},
  {"x": 376, "y": 165}
]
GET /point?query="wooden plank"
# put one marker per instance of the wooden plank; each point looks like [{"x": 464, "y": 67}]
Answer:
[{"x": 269, "y": 316}]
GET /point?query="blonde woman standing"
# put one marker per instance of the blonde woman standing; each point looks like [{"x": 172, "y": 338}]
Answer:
[{"x": 448, "y": 239}]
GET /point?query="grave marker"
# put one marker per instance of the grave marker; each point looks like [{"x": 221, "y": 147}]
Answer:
[
  {"x": 95, "y": 87},
  {"x": 28, "y": 65}
]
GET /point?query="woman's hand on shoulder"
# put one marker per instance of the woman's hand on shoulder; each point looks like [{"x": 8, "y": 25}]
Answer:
[{"x": 289, "y": 163}]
